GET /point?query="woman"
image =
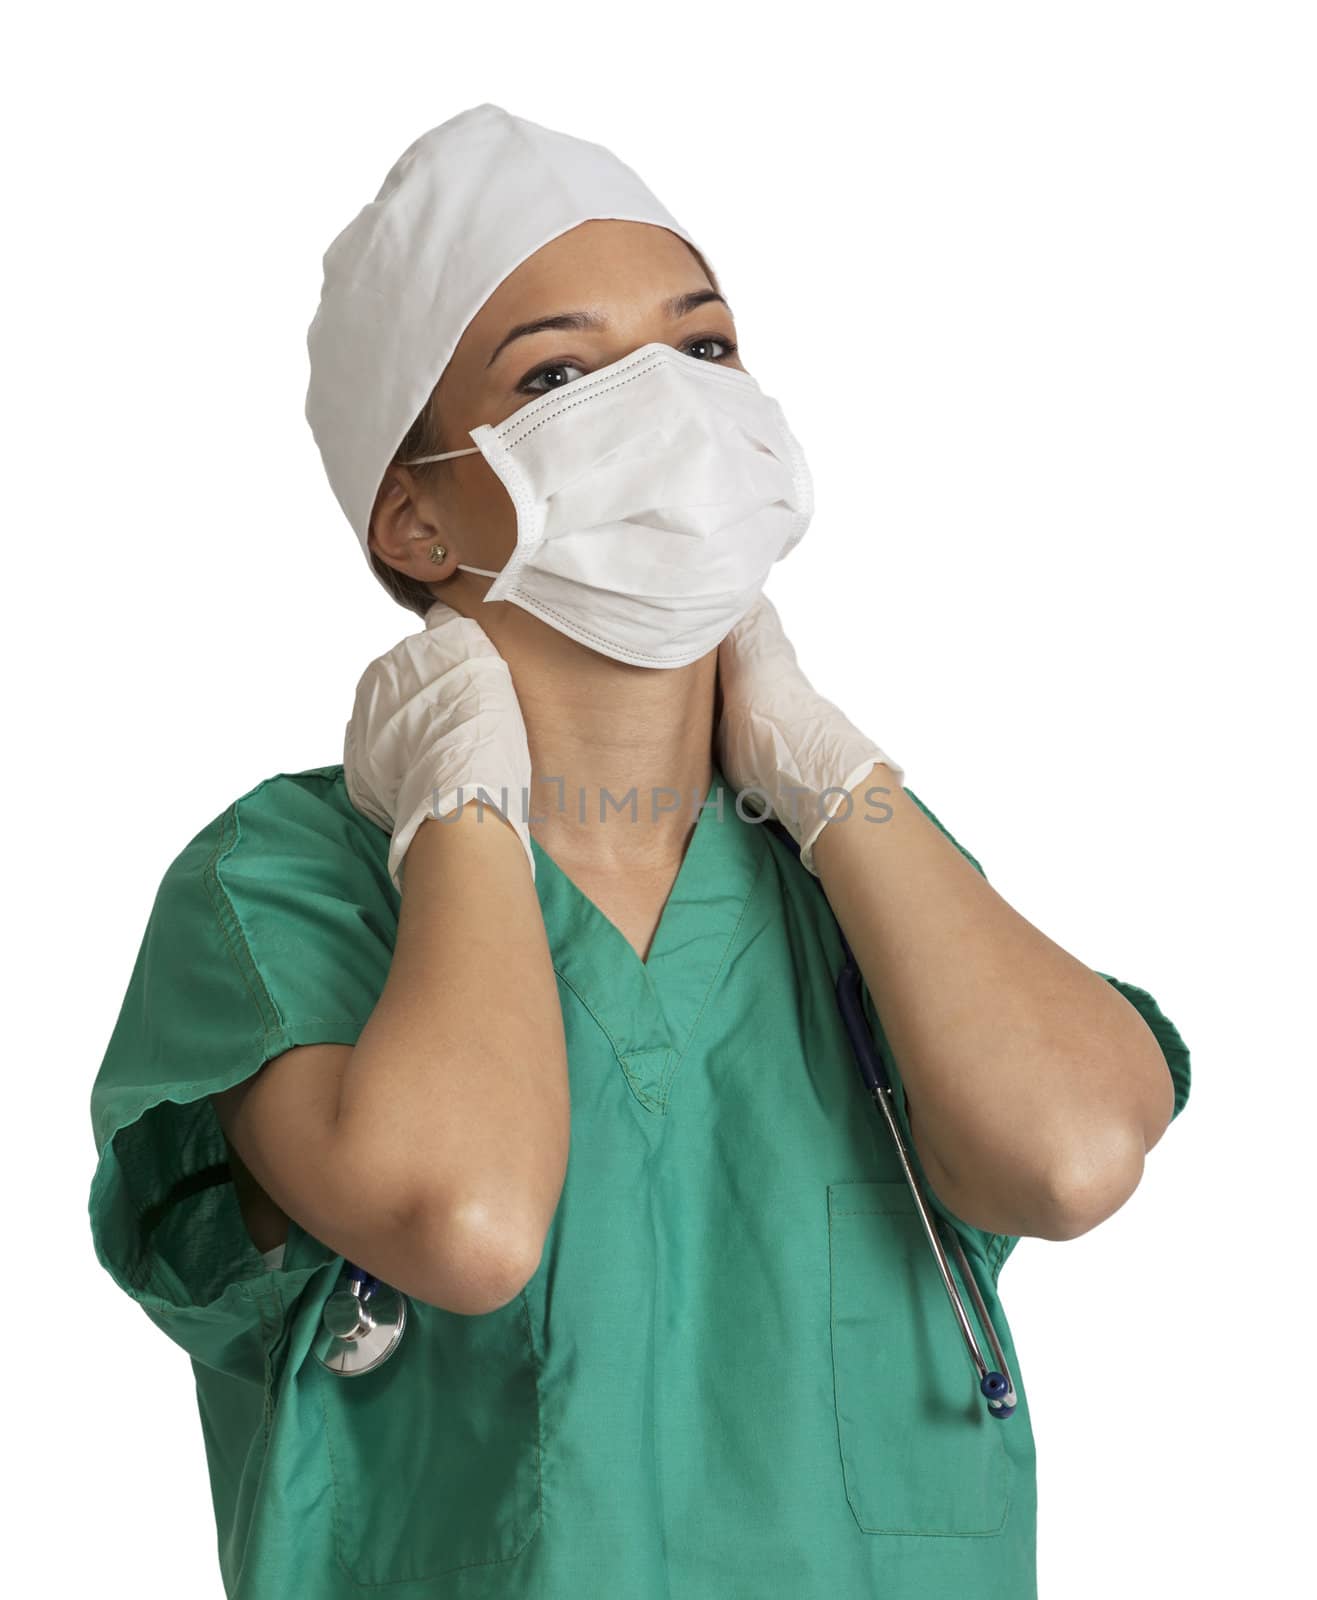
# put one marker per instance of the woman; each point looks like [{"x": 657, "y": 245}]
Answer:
[{"x": 565, "y": 1072}]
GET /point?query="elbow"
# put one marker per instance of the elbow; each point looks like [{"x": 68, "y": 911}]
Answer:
[
  {"x": 1090, "y": 1183},
  {"x": 478, "y": 1258}
]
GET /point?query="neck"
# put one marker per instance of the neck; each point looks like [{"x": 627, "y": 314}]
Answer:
[{"x": 621, "y": 756}]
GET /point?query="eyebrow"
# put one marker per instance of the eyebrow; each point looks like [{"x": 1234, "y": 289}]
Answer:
[{"x": 679, "y": 305}]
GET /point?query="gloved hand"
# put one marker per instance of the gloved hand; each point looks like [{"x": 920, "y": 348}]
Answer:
[
  {"x": 435, "y": 713},
  {"x": 778, "y": 735}
]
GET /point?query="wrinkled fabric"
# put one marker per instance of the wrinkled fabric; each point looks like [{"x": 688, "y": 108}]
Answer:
[{"x": 734, "y": 1374}]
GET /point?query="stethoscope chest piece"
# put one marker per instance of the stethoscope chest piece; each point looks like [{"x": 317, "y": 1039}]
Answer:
[{"x": 361, "y": 1325}]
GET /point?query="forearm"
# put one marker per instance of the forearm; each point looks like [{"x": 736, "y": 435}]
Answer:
[
  {"x": 460, "y": 1075},
  {"x": 1034, "y": 1087}
]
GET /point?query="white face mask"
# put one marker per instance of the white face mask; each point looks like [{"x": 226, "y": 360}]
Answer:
[{"x": 653, "y": 496}]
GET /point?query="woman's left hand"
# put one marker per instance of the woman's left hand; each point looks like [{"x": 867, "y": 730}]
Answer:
[{"x": 779, "y": 737}]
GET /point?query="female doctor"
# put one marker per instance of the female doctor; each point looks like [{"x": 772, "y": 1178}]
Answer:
[{"x": 527, "y": 1010}]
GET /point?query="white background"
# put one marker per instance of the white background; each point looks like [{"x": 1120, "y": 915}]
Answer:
[{"x": 1034, "y": 284}]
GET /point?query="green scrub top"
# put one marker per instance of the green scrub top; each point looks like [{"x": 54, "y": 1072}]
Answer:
[{"x": 735, "y": 1373}]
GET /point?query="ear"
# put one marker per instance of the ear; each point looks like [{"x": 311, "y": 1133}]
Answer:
[{"x": 404, "y": 529}]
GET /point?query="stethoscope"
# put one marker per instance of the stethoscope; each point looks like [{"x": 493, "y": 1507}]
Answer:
[
  {"x": 994, "y": 1383},
  {"x": 362, "y": 1323},
  {"x": 364, "y": 1319}
]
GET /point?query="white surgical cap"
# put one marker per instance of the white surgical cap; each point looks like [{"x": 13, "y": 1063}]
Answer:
[{"x": 462, "y": 207}]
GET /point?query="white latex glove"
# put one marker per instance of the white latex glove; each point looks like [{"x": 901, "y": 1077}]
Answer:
[
  {"x": 435, "y": 713},
  {"x": 779, "y": 736}
]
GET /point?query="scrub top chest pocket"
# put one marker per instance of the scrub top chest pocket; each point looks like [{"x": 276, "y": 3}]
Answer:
[
  {"x": 919, "y": 1452},
  {"x": 434, "y": 1456}
]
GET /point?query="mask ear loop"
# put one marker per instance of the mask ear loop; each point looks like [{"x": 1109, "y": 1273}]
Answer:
[{"x": 446, "y": 455}]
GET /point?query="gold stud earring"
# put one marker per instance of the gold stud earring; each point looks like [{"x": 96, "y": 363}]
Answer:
[{"x": 438, "y": 553}]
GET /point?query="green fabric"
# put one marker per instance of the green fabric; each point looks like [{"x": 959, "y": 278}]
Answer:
[{"x": 735, "y": 1372}]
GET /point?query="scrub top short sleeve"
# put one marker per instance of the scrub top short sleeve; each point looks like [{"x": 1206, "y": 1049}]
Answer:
[
  {"x": 997, "y": 1247},
  {"x": 273, "y": 927}
]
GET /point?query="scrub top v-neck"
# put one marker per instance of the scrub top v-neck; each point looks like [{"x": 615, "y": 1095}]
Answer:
[{"x": 735, "y": 1372}]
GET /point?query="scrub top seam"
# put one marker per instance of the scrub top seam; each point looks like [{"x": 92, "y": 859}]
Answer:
[
  {"x": 270, "y": 1318},
  {"x": 226, "y": 912},
  {"x": 713, "y": 981},
  {"x": 619, "y": 1055},
  {"x": 680, "y": 1049},
  {"x": 230, "y": 927}
]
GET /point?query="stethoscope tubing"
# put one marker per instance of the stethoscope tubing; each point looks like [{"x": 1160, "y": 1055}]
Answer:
[{"x": 994, "y": 1383}]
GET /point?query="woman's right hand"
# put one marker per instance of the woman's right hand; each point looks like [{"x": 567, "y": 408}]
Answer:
[{"x": 436, "y": 721}]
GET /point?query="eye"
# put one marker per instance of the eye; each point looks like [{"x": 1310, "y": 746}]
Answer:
[
  {"x": 729, "y": 349},
  {"x": 530, "y": 384}
]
